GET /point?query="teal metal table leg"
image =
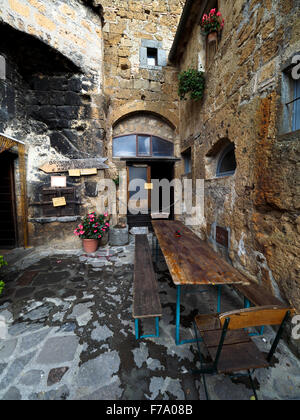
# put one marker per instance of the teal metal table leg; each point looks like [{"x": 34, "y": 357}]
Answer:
[
  {"x": 177, "y": 338},
  {"x": 157, "y": 326},
  {"x": 137, "y": 329},
  {"x": 177, "y": 333},
  {"x": 219, "y": 299},
  {"x": 137, "y": 334},
  {"x": 247, "y": 304}
]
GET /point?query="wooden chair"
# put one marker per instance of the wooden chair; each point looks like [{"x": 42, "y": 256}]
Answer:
[{"x": 229, "y": 345}]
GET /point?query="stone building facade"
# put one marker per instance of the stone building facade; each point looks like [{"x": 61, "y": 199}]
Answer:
[
  {"x": 80, "y": 73},
  {"x": 51, "y": 98},
  {"x": 72, "y": 72},
  {"x": 246, "y": 107}
]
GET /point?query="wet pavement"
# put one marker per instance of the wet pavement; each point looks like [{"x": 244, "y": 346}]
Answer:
[{"x": 70, "y": 334}]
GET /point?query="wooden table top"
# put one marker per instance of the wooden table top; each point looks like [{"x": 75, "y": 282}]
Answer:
[{"x": 191, "y": 260}]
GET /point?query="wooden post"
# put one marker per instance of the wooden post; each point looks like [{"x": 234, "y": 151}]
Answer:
[{"x": 23, "y": 186}]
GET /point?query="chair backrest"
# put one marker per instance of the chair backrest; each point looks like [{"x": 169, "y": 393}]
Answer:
[{"x": 254, "y": 317}]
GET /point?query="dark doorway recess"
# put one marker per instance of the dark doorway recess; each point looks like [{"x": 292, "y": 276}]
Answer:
[
  {"x": 31, "y": 55},
  {"x": 159, "y": 171},
  {"x": 8, "y": 230}
]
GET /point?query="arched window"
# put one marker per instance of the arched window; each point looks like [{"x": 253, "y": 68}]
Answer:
[
  {"x": 142, "y": 145},
  {"x": 227, "y": 162}
]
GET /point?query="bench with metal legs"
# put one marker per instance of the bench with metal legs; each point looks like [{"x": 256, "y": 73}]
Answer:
[
  {"x": 137, "y": 333},
  {"x": 146, "y": 302}
]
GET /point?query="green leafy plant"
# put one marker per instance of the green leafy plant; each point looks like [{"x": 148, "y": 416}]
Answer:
[
  {"x": 92, "y": 226},
  {"x": 2, "y": 264},
  {"x": 193, "y": 82},
  {"x": 117, "y": 181}
]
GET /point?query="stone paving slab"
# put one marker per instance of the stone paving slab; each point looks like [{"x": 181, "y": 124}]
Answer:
[{"x": 70, "y": 335}]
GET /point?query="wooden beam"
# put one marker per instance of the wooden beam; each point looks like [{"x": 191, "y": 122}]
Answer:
[{"x": 56, "y": 166}]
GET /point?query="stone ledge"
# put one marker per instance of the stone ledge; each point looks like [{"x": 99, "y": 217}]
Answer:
[{"x": 291, "y": 136}]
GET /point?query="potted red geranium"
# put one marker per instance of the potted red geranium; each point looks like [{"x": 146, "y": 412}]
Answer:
[
  {"x": 91, "y": 229},
  {"x": 212, "y": 24}
]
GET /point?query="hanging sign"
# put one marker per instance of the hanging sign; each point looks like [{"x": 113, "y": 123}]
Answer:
[
  {"x": 92, "y": 171},
  {"x": 74, "y": 172}
]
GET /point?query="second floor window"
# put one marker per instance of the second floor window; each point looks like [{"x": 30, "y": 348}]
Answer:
[
  {"x": 296, "y": 106},
  {"x": 187, "y": 159},
  {"x": 152, "y": 57}
]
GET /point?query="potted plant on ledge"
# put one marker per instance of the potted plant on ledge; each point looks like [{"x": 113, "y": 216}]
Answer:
[
  {"x": 91, "y": 230},
  {"x": 212, "y": 24}
]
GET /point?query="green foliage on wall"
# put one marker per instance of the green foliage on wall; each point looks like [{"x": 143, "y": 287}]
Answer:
[{"x": 191, "y": 82}]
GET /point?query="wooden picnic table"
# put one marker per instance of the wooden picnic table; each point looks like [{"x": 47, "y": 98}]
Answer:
[{"x": 192, "y": 261}]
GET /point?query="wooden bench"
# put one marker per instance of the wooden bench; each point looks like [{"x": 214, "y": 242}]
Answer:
[
  {"x": 258, "y": 295},
  {"x": 146, "y": 302},
  {"x": 230, "y": 347}
]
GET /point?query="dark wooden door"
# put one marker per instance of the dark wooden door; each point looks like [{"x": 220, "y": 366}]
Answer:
[
  {"x": 140, "y": 172},
  {"x": 8, "y": 233}
]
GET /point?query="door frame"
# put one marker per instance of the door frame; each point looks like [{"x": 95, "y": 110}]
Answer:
[
  {"x": 141, "y": 165},
  {"x": 11, "y": 157}
]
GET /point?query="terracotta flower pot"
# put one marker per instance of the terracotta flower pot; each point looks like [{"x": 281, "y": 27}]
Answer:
[
  {"x": 212, "y": 37},
  {"x": 90, "y": 245}
]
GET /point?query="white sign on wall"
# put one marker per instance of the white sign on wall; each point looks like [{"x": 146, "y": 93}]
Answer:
[{"x": 58, "y": 181}]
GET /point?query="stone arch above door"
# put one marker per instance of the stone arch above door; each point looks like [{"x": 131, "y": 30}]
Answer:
[
  {"x": 126, "y": 111},
  {"x": 144, "y": 123}
]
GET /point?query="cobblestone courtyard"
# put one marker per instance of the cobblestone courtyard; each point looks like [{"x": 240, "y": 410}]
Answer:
[{"x": 71, "y": 335}]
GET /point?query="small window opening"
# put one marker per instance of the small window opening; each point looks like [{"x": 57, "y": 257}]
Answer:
[
  {"x": 227, "y": 162},
  {"x": 296, "y": 106},
  {"x": 187, "y": 159},
  {"x": 152, "y": 57}
]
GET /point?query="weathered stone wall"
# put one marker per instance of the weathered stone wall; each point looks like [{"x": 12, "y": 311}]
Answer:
[
  {"x": 76, "y": 81},
  {"x": 243, "y": 104},
  {"x": 52, "y": 97},
  {"x": 69, "y": 27},
  {"x": 132, "y": 85}
]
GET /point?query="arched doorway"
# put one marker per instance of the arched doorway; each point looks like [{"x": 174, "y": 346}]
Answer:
[{"x": 146, "y": 143}]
